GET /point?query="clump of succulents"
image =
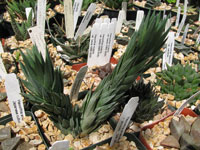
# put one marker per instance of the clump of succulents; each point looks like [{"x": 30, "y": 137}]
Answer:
[
  {"x": 153, "y": 3},
  {"x": 73, "y": 48},
  {"x": 183, "y": 135},
  {"x": 178, "y": 80},
  {"x": 45, "y": 84},
  {"x": 85, "y": 4},
  {"x": 20, "y": 29},
  {"x": 149, "y": 105},
  {"x": 18, "y": 7},
  {"x": 116, "y": 4}
]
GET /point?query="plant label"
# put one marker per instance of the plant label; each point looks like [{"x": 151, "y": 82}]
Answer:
[
  {"x": 124, "y": 120},
  {"x": 28, "y": 11},
  {"x": 41, "y": 15},
  {"x": 101, "y": 42},
  {"x": 177, "y": 3},
  {"x": 139, "y": 18},
  {"x": 60, "y": 145},
  {"x": 169, "y": 51},
  {"x": 69, "y": 18},
  {"x": 14, "y": 97},
  {"x": 199, "y": 14},
  {"x": 38, "y": 39},
  {"x": 185, "y": 34},
  {"x": 124, "y": 7},
  {"x": 179, "y": 110},
  {"x": 92, "y": 45},
  {"x": 197, "y": 30},
  {"x": 178, "y": 17},
  {"x": 1, "y": 48},
  {"x": 77, "y": 83},
  {"x": 198, "y": 40},
  {"x": 120, "y": 20},
  {"x": 77, "y": 11},
  {"x": 168, "y": 24},
  {"x": 85, "y": 20},
  {"x": 3, "y": 71}
]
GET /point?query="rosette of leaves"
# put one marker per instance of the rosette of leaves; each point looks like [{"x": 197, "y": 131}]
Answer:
[
  {"x": 85, "y": 4},
  {"x": 73, "y": 48},
  {"x": 170, "y": 1},
  {"x": 116, "y": 4},
  {"x": 148, "y": 106},
  {"x": 20, "y": 29},
  {"x": 183, "y": 135},
  {"x": 178, "y": 80},
  {"x": 45, "y": 84},
  {"x": 18, "y": 8},
  {"x": 153, "y": 3}
]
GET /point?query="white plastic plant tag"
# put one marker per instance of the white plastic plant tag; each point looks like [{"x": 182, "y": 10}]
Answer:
[
  {"x": 185, "y": 34},
  {"x": 28, "y": 11},
  {"x": 168, "y": 24},
  {"x": 110, "y": 41},
  {"x": 124, "y": 7},
  {"x": 199, "y": 14},
  {"x": 198, "y": 40},
  {"x": 196, "y": 31},
  {"x": 124, "y": 120},
  {"x": 3, "y": 71},
  {"x": 77, "y": 83},
  {"x": 120, "y": 20},
  {"x": 178, "y": 17},
  {"x": 101, "y": 42},
  {"x": 86, "y": 20},
  {"x": 38, "y": 39},
  {"x": 41, "y": 15},
  {"x": 169, "y": 52},
  {"x": 60, "y": 145},
  {"x": 183, "y": 19},
  {"x": 164, "y": 67},
  {"x": 69, "y": 18},
  {"x": 77, "y": 11},
  {"x": 93, "y": 45},
  {"x": 177, "y": 3},
  {"x": 1, "y": 48},
  {"x": 179, "y": 110},
  {"x": 14, "y": 97},
  {"x": 139, "y": 18}
]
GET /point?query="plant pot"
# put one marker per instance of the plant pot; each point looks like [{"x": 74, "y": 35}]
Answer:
[
  {"x": 146, "y": 10},
  {"x": 131, "y": 14},
  {"x": 4, "y": 120},
  {"x": 130, "y": 137},
  {"x": 78, "y": 66},
  {"x": 185, "y": 112}
]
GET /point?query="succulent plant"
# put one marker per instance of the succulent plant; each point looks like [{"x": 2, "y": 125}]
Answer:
[
  {"x": 18, "y": 7},
  {"x": 149, "y": 105},
  {"x": 20, "y": 30},
  {"x": 45, "y": 85},
  {"x": 74, "y": 48},
  {"x": 183, "y": 135},
  {"x": 153, "y": 3},
  {"x": 170, "y": 1},
  {"x": 85, "y": 4},
  {"x": 178, "y": 80}
]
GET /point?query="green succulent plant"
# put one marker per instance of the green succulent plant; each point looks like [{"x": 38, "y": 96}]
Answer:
[
  {"x": 148, "y": 101},
  {"x": 85, "y": 4},
  {"x": 20, "y": 30},
  {"x": 183, "y": 135},
  {"x": 116, "y": 4},
  {"x": 178, "y": 80},
  {"x": 74, "y": 48},
  {"x": 170, "y": 1},
  {"x": 18, "y": 7},
  {"x": 45, "y": 84},
  {"x": 153, "y": 3}
]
